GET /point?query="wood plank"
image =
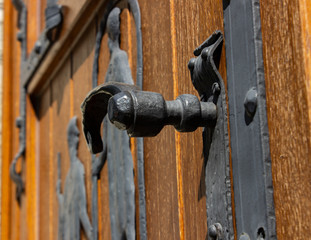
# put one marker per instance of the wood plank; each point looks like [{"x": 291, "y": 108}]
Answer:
[
  {"x": 31, "y": 181},
  {"x": 41, "y": 13},
  {"x": 194, "y": 23},
  {"x": 286, "y": 51},
  {"x": 20, "y": 166},
  {"x": 32, "y": 24},
  {"x": 103, "y": 184},
  {"x": 7, "y": 120},
  {"x": 160, "y": 157},
  {"x": 59, "y": 119},
  {"x": 82, "y": 61},
  {"x": 44, "y": 160}
]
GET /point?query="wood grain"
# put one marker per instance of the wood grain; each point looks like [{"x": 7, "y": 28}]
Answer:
[
  {"x": 82, "y": 61},
  {"x": 31, "y": 182},
  {"x": 7, "y": 120},
  {"x": 194, "y": 24},
  {"x": 44, "y": 158},
  {"x": 286, "y": 51},
  {"x": 160, "y": 153},
  {"x": 103, "y": 184},
  {"x": 61, "y": 50},
  {"x": 59, "y": 119}
]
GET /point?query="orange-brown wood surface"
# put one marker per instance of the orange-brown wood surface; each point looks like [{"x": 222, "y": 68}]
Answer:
[
  {"x": 286, "y": 44},
  {"x": 7, "y": 119},
  {"x": 174, "y": 175},
  {"x": 174, "y": 166}
]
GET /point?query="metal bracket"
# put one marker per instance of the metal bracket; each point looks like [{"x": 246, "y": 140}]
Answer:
[
  {"x": 210, "y": 85},
  {"x": 53, "y": 21},
  {"x": 250, "y": 150}
]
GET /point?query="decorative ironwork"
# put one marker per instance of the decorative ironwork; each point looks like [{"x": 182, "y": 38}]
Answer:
[
  {"x": 250, "y": 151},
  {"x": 122, "y": 215},
  {"x": 145, "y": 113},
  {"x": 53, "y": 20},
  {"x": 210, "y": 85},
  {"x": 21, "y": 120},
  {"x": 72, "y": 204},
  {"x": 98, "y": 162}
]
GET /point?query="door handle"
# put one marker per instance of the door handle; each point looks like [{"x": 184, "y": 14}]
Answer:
[{"x": 144, "y": 114}]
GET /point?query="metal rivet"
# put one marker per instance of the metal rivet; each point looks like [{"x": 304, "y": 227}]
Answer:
[
  {"x": 204, "y": 53},
  {"x": 191, "y": 64},
  {"x": 38, "y": 47},
  {"x": 216, "y": 88},
  {"x": 18, "y": 122},
  {"x": 244, "y": 236},
  {"x": 215, "y": 230},
  {"x": 20, "y": 36},
  {"x": 250, "y": 102}
]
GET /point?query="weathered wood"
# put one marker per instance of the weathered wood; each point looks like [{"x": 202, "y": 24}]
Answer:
[{"x": 286, "y": 51}]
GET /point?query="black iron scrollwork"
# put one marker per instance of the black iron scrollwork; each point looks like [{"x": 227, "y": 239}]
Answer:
[
  {"x": 53, "y": 20},
  {"x": 72, "y": 203},
  {"x": 21, "y": 120}
]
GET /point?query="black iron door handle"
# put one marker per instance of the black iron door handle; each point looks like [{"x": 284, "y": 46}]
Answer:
[{"x": 144, "y": 114}]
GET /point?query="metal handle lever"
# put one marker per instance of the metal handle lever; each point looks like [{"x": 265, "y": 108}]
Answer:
[
  {"x": 144, "y": 114},
  {"x": 141, "y": 113}
]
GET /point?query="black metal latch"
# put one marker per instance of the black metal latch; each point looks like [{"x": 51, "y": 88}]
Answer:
[{"x": 144, "y": 114}]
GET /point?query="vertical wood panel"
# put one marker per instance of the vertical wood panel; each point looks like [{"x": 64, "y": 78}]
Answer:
[
  {"x": 82, "y": 59},
  {"x": 44, "y": 164},
  {"x": 33, "y": 24},
  {"x": 160, "y": 161},
  {"x": 194, "y": 23},
  {"x": 285, "y": 40},
  {"x": 7, "y": 120},
  {"x": 103, "y": 185},
  {"x": 60, "y": 90},
  {"x": 16, "y": 209},
  {"x": 31, "y": 175}
]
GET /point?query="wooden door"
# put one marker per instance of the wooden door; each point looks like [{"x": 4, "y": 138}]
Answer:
[{"x": 174, "y": 163}]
